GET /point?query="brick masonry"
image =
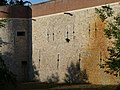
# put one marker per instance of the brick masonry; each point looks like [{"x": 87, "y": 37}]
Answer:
[{"x": 57, "y": 6}]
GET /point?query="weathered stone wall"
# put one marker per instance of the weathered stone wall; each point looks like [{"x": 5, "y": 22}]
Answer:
[
  {"x": 16, "y": 42},
  {"x": 86, "y": 44},
  {"x": 15, "y": 48},
  {"x": 56, "y": 37}
]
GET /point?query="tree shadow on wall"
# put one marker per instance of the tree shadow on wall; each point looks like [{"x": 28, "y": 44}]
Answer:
[
  {"x": 75, "y": 75},
  {"x": 35, "y": 73},
  {"x": 6, "y": 75},
  {"x": 54, "y": 78}
]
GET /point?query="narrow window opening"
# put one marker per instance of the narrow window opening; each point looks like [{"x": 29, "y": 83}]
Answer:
[
  {"x": 20, "y": 33},
  {"x": 95, "y": 29},
  {"x": 73, "y": 35},
  {"x": 53, "y": 36},
  {"x": 48, "y": 37},
  {"x": 58, "y": 61},
  {"x": 79, "y": 57},
  {"x": 39, "y": 58},
  {"x": 89, "y": 30},
  {"x": 101, "y": 60},
  {"x": 24, "y": 62},
  {"x": 67, "y": 39}
]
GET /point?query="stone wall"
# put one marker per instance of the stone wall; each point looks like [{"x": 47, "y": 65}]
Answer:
[
  {"x": 71, "y": 36},
  {"x": 58, "y": 35},
  {"x": 16, "y": 40}
]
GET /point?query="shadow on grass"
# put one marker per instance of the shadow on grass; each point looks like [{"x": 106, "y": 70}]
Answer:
[{"x": 46, "y": 86}]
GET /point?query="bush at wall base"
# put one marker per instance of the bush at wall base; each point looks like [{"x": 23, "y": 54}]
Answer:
[{"x": 6, "y": 76}]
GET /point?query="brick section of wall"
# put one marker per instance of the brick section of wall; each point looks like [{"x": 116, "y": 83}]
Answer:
[
  {"x": 57, "y": 6},
  {"x": 15, "y": 12}
]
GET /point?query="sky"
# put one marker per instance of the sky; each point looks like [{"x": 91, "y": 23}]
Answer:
[{"x": 36, "y": 1}]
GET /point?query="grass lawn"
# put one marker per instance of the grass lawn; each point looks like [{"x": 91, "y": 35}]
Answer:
[{"x": 39, "y": 86}]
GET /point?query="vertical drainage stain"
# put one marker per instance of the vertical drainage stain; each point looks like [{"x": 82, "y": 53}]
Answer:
[
  {"x": 100, "y": 57},
  {"x": 101, "y": 60}
]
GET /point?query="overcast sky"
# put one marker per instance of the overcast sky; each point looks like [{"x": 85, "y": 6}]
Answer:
[{"x": 36, "y": 1}]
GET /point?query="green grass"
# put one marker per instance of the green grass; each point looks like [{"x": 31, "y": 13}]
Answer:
[
  {"x": 43, "y": 86},
  {"x": 86, "y": 87}
]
